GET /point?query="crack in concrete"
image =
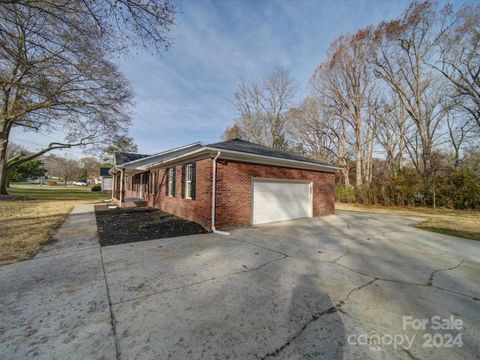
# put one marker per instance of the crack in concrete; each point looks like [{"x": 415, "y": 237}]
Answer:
[
  {"x": 338, "y": 306},
  {"x": 432, "y": 275},
  {"x": 341, "y": 256},
  {"x": 260, "y": 246},
  {"x": 315, "y": 317},
  {"x": 335, "y": 262},
  {"x": 112, "y": 316},
  {"x": 202, "y": 281},
  {"x": 410, "y": 355},
  {"x": 408, "y": 282}
]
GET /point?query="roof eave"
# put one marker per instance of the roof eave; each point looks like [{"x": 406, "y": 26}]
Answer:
[
  {"x": 192, "y": 154},
  {"x": 246, "y": 157},
  {"x": 207, "y": 151},
  {"x": 272, "y": 160},
  {"x": 160, "y": 153}
]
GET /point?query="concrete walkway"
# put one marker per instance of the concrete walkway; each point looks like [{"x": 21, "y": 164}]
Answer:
[{"x": 55, "y": 306}]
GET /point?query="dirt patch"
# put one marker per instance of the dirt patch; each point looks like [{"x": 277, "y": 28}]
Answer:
[{"x": 120, "y": 226}]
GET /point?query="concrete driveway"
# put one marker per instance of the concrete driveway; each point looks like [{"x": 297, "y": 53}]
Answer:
[{"x": 351, "y": 286}]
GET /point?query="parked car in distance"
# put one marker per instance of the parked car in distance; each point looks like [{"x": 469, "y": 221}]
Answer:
[{"x": 80, "y": 183}]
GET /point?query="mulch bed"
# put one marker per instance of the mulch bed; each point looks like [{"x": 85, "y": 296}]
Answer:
[{"x": 120, "y": 226}]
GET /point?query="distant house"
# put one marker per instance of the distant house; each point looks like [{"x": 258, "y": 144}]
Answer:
[
  {"x": 226, "y": 184},
  {"x": 40, "y": 180},
  {"x": 106, "y": 180}
]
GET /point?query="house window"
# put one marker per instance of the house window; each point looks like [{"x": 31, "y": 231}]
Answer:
[
  {"x": 188, "y": 182},
  {"x": 171, "y": 182}
]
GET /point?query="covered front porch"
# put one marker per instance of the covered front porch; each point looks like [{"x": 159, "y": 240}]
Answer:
[{"x": 133, "y": 196}]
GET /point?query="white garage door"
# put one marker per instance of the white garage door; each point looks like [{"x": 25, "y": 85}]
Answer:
[{"x": 280, "y": 200}]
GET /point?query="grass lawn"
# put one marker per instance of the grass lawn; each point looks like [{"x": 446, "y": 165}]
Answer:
[
  {"x": 460, "y": 223},
  {"x": 29, "y": 221},
  {"x": 57, "y": 192}
]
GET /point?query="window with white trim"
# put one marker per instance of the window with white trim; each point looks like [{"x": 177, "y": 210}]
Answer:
[
  {"x": 171, "y": 181},
  {"x": 188, "y": 181}
]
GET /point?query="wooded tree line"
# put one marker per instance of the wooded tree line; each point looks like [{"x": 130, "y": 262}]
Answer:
[{"x": 397, "y": 105}]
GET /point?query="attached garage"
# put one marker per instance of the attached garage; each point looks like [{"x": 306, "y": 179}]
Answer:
[
  {"x": 280, "y": 199},
  {"x": 235, "y": 183}
]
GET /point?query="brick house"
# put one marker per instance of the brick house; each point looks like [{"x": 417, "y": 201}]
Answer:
[{"x": 226, "y": 184}]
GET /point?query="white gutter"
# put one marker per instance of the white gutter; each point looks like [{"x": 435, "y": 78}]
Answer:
[
  {"x": 269, "y": 160},
  {"x": 214, "y": 180},
  {"x": 320, "y": 167},
  {"x": 161, "y": 153},
  {"x": 169, "y": 160}
]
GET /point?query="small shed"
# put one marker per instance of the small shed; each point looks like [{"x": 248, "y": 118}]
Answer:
[{"x": 105, "y": 180}]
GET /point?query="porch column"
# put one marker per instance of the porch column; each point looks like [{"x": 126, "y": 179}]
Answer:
[
  {"x": 114, "y": 180},
  {"x": 122, "y": 185}
]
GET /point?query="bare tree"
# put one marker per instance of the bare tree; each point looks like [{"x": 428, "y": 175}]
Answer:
[
  {"x": 401, "y": 51},
  {"x": 344, "y": 83},
  {"x": 461, "y": 133},
  {"x": 458, "y": 60},
  {"x": 15, "y": 149},
  {"x": 262, "y": 107},
  {"x": 309, "y": 131},
  {"x": 55, "y": 72},
  {"x": 233, "y": 132},
  {"x": 91, "y": 166},
  {"x": 118, "y": 24},
  {"x": 64, "y": 167},
  {"x": 390, "y": 123},
  {"x": 313, "y": 130}
]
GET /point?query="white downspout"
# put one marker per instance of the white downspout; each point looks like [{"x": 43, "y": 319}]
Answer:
[{"x": 214, "y": 181}]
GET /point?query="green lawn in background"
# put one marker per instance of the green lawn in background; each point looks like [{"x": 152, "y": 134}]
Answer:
[
  {"x": 56, "y": 192},
  {"x": 31, "y": 219}
]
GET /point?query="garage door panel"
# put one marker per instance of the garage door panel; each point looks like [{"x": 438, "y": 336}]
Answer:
[{"x": 280, "y": 200}]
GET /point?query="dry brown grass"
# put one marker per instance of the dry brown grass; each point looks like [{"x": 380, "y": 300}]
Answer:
[
  {"x": 460, "y": 223},
  {"x": 28, "y": 224},
  {"x": 29, "y": 221}
]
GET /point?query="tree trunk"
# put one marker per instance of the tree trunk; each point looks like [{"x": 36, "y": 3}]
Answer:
[
  {"x": 3, "y": 175},
  {"x": 346, "y": 180},
  {"x": 358, "y": 151},
  {"x": 358, "y": 160},
  {"x": 345, "y": 169},
  {"x": 3, "y": 162}
]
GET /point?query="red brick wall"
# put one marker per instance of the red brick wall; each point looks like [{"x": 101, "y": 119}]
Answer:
[
  {"x": 198, "y": 210},
  {"x": 233, "y": 200}
]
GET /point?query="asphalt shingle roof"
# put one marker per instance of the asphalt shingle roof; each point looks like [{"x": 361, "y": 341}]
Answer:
[
  {"x": 252, "y": 148},
  {"x": 124, "y": 157},
  {"x": 104, "y": 171}
]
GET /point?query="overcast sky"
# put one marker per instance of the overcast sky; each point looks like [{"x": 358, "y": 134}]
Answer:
[{"x": 185, "y": 95}]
